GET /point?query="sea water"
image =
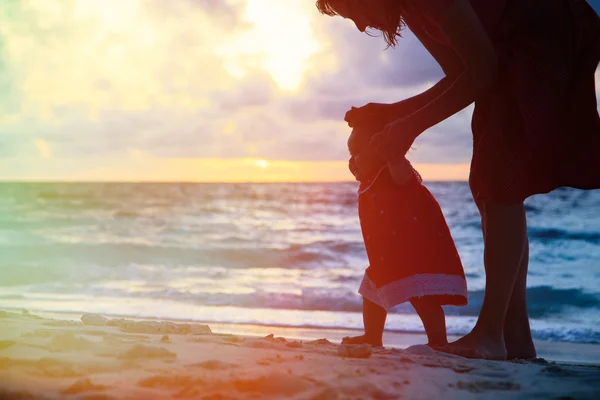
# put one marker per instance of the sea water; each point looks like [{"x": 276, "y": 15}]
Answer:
[{"x": 288, "y": 254}]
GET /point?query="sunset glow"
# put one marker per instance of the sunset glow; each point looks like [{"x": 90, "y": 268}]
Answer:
[
  {"x": 279, "y": 41},
  {"x": 262, "y": 163},
  {"x": 231, "y": 90}
]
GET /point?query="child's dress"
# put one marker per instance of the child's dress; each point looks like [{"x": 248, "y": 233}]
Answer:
[{"x": 409, "y": 246}]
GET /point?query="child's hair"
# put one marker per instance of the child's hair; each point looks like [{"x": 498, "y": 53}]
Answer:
[
  {"x": 391, "y": 32},
  {"x": 362, "y": 132}
]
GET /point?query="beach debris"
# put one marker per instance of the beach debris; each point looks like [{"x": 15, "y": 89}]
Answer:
[
  {"x": 421, "y": 350},
  {"x": 141, "y": 351},
  {"x": 540, "y": 361},
  {"x": 83, "y": 385},
  {"x": 115, "y": 322},
  {"x": 232, "y": 339},
  {"x": 262, "y": 344},
  {"x": 215, "y": 365},
  {"x": 272, "y": 338},
  {"x": 462, "y": 369},
  {"x": 355, "y": 350},
  {"x": 320, "y": 342},
  {"x": 485, "y": 386},
  {"x": 140, "y": 326},
  {"x": 159, "y": 327},
  {"x": 165, "y": 339},
  {"x": 63, "y": 323},
  {"x": 195, "y": 329},
  {"x": 94, "y": 320},
  {"x": 168, "y": 327},
  {"x": 26, "y": 313}
]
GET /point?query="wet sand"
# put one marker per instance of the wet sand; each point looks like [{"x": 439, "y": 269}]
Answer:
[{"x": 96, "y": 357}]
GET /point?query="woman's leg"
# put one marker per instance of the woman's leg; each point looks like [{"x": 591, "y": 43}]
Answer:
[
  {"x": 374, "y": 318},
  {"x": 517, "y": 333},
  {"x": 505, "y": 244},
  {"x": 433, "y": 318}
]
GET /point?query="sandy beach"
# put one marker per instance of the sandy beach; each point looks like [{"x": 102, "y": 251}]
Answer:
[{"x": 97, "y": 357}]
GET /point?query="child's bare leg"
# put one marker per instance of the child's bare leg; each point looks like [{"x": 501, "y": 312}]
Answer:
[
  {"x": 433, "y": 318},
  {"x": 374, "y": 321}
]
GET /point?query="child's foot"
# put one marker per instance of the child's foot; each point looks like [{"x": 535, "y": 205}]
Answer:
[{"x": 362, "y": 339}]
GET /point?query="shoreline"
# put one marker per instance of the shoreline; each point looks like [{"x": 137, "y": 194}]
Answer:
[
  {"x": 95, "y": 357},
  {"x": 560, "y": 352}
]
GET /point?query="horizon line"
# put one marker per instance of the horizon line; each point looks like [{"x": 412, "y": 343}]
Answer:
[{"x": 202, "y": 182}]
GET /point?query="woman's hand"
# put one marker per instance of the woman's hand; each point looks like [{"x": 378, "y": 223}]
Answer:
[
  {"x": 373, "y": 115},
  {"x": 386, "y": 146},
  {"x": 395, "y": 140}
]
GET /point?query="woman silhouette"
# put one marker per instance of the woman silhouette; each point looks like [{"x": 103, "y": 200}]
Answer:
[{"x": 529, "y": 67}]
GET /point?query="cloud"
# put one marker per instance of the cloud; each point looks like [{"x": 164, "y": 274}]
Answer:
[
  {"x": 253, "y": 91},
  {"x": 103, "y": 81},
  {"x": 43, "y": 148}
]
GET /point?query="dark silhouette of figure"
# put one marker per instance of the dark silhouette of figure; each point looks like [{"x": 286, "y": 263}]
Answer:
[
  {"x": 528, "y": 65},
  {"x": 411, "y": 252}
]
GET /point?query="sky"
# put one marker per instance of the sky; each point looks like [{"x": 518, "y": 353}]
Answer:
[{"x": 200, "y": 90}]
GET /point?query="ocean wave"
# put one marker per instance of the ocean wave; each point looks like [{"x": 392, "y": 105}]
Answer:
[
  {"x": 548, "y": 235},
  {"x": 551, "y": 234},
  {"x": 543, "y": 301},
  {"x": 573, "y": 335},
  {"x": 532, "y": 209},
  {"x": 283, "y": 246},
  {"x": 55, "y": 195}
]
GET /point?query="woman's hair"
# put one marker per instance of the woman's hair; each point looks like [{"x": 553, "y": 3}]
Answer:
[{"x": 391, "y": 32}]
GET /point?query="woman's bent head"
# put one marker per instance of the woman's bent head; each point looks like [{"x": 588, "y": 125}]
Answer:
[{"x": 383, "y": 15}]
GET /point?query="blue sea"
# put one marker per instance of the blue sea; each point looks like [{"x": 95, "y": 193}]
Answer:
[{"x": 277, "y": 254}]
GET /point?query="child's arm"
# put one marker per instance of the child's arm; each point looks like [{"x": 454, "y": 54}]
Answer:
[{"x": 400, "y": 170}]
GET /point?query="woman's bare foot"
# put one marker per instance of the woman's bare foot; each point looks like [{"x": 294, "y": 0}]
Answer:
[
  {"x": 505, "y": 238},
  {"x": 477, "y": 346},
  {"x": 520, "y": 349},
  {"x": 363, "y": 339},
  {"x": 437, "y": 346}
]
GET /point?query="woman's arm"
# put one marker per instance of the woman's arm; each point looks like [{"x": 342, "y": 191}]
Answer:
[
  {"x": 374, "y": 117},
  {"x": 472, "y": 45},
  {"x": 451, "y": 65},
  {"x": 384, "y": 114}
]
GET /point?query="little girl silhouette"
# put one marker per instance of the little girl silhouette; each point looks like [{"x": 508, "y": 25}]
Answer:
[{"x": 411, "y": 253}]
